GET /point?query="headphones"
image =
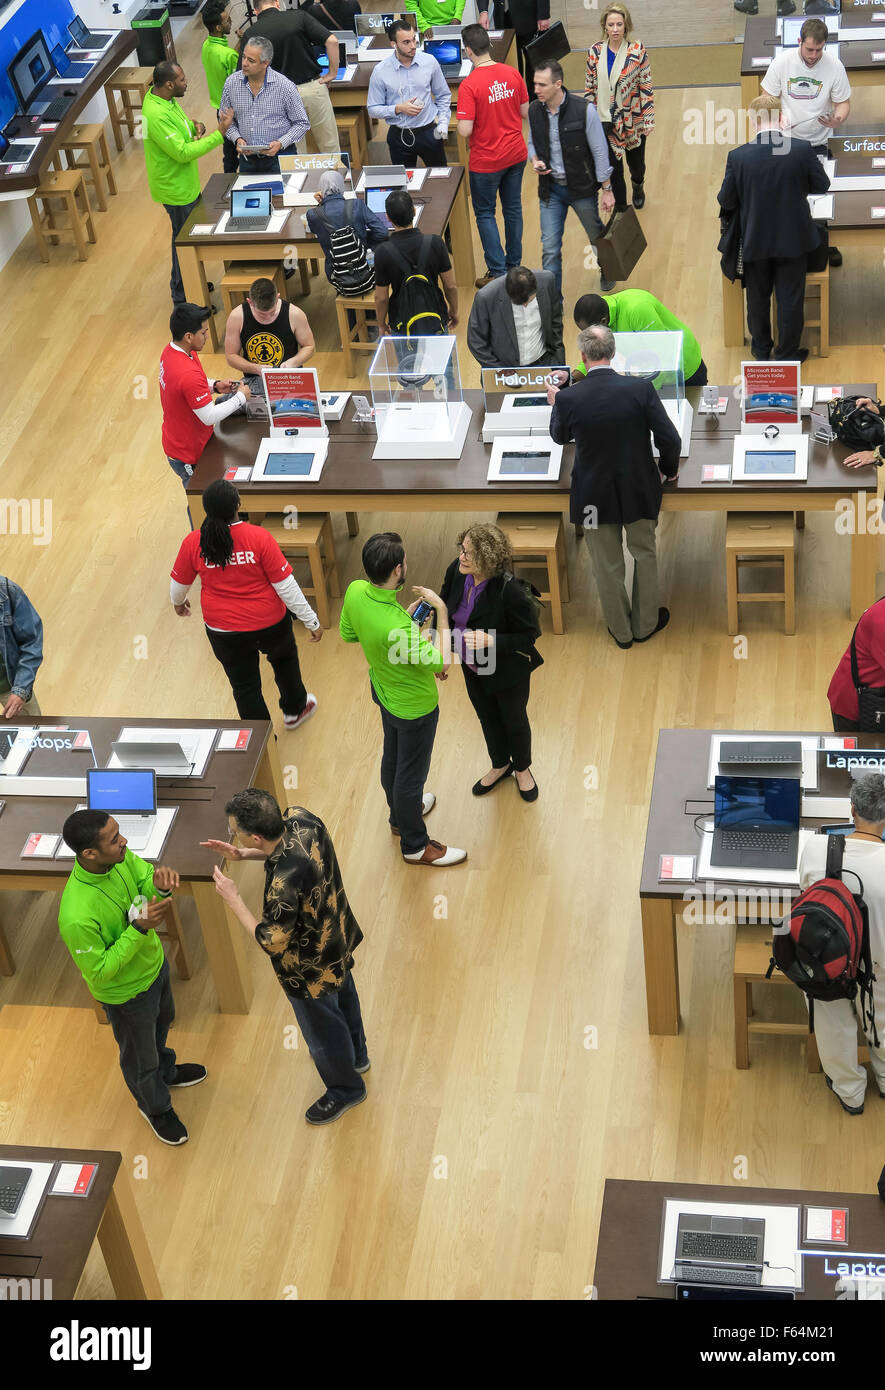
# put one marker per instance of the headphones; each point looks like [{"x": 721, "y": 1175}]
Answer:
[{"x": 771, "y": 431}]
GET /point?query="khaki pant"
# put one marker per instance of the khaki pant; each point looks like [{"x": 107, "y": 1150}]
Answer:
[
  {"x": 318, "y": 105},
  {"x": 626, "y": 617}
]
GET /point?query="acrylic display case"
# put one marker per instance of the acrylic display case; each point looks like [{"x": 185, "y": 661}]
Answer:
[{"x": 420, "y": 412}]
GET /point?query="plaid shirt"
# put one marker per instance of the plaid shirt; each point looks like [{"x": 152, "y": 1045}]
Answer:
[{"x": 276, "y": 113}]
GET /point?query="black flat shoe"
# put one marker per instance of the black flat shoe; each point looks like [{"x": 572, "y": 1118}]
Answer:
[
  {"x": 624, "y": 646},
  {"x": 479, "y": 790},
  {"x": 531, "y": 794},
  {"x": 638, "y": 196},
  {"x": 663, "y": 619}
]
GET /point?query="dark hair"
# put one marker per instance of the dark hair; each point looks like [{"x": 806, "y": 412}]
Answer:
[
  {"x": 381, "y": 555},
  {"x": 399, "y": 207},
  {"x": 554, "y": 68},
  {"x": 520, "y": 284},
  {"x": 164, "y": 72},
  {"x": 220, "y": 503},
  {"x": 212, "y": 12},
  {"x": 397, "y": 27},
  {"x": 263, "y": 293},
  {"x": 256, "y": 812},
  {"x": 82, "y": 829},
  {"x": 187, "y": 318},
  {"x": 590, "y": 309},
  {"x": 815, "y": 29},
  {"x": 475, "y": 37}
]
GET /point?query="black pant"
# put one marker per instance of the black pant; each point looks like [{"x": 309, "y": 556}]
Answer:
[
  {"x": 635, "y": 163},
  {"x": 405, "y": 763},
  {"x": 238, "y": 654},
  {"x": 844, "y": 726},
  {"x": 787, "y": 279},
  {"x": 406, "y": 145},
  {"x": 178, "y": 215},
  {"x": 140, "y": 1027},
  {"x": 698, "y": 377},
  {"x": 503, "y": 718}
]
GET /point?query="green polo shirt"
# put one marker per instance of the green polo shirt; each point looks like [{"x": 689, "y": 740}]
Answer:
[
  {"x": 637, "y": 311},
  {"x": 171, "y": 151},
  {"x": 401, "y": 661},
  {"x": 116, "y": 960},
  {"x": 435, "y": 12},
  {"x": 219, "y": 61}
]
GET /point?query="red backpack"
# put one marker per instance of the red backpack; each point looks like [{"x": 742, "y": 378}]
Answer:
[{"x": 824, "y": 945}]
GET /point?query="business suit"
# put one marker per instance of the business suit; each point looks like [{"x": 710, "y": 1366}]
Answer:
[
  {"x": 522, "y": 16},
  {"x": 767, "y": 181},
  {"x": 491, "y": 330},
  {"x": 616, "y": 483}
]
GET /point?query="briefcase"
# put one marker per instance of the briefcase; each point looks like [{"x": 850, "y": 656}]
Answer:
[
  {"x": 620, "y": 246},
  {"x": 549, "y": 45}
]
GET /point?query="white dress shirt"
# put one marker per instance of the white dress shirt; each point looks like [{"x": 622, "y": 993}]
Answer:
[{"x": 529, "y": 333}]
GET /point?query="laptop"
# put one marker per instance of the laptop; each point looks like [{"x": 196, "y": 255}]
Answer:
[
  {"x": 756, "y": 822},
  {"x": 85, "y": 38},
  {"x": 67, "y": 68},
  {"x": 29, "y": 73},
  {"x": 250, "y": 210},
  {"x": 130, "y": 796},
  {"x": 161, "y": 754},
  {"x": 763, "y": 759},
  {"x": 719, "y": 1249},
  {"x": 13, "y": 1182},
  {"x": 447, "y": 53},
  {"x": 16, "y": 152}
]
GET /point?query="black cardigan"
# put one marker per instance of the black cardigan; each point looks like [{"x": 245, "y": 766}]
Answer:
[{"x": 503, "y": 607}]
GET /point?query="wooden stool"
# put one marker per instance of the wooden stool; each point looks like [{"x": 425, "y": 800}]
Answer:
[
  {"x": 68, "y": 186},
  {"x": 311, "y": 538},
  {"x": 351, "y": 133},
  {"x": 536, "y": 539},
  {"x": 355, "y": 339},
  {"x": 132, "y": 86},
  {"x": 760, "y": 538},
  {"x": 92, "y": 140},
  {"x": 235, "y": 282}
]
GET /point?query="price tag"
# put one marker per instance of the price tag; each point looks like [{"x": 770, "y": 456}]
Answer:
[
  {"x": 877, "y": 212},
  {"x": 761, "y": 62}
]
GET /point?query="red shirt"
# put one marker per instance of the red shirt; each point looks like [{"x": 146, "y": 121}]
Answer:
[
  {"x": 183, "y": 389},
  {"x": 869, "y": 645},
  {"x": 491, "y": 97},
  {"x": 239, "y": 597}
]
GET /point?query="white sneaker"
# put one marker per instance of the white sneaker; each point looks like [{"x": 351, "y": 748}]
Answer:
[
  {"x": 294, "y": 721},
  {"x": 437, "y": 855}
]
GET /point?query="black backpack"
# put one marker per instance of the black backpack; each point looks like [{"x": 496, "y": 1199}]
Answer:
[
  {"x": 418, "y": 309},
  {"x": 351, "y": 275},
  {"x": 856, "y": 426}
]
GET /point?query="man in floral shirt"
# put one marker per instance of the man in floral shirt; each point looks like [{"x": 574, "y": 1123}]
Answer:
[{"x": 310, "y": 934}]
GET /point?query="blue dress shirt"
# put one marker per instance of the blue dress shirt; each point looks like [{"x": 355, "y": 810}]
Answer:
[{"x": 392, "y": 83}]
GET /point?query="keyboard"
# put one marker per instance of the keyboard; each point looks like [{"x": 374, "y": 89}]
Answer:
[
  {"x": 741, "y": 753},
  {"x": 754, "y": 839},
  {"x": 136, "y": 829},
  {"x": 701, "y": 1274},
  {"x": 247, "y": 224},
  {"x": 13, "y": 1182},
  {"x": 57, "y": 108},
  {"x": 705, "y": 1245}
]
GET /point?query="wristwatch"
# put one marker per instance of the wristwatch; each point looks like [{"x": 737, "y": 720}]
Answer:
[{"x": 606, "y": 188}]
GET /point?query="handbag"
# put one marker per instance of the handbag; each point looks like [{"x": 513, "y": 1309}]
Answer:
[
  {"x": 870, "y": 699},
  {"x": 621, "y": 245},
  {"x": 548, "y": 45},
  {"x": 854, "y": 425}
]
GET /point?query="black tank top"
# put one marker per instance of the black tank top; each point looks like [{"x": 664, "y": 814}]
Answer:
[{"x": 267, "y": 344}]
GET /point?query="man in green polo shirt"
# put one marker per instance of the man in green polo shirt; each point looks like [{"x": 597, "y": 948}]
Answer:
[
  {"x": 403, "y": 666},
  {"x": 219, "y": 61},
  {"x": 172, "y": 145},
  {"x": 637, "y": 311},
  {"x": 110, "y": 907}
]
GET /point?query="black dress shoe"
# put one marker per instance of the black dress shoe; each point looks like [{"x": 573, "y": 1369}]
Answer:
[
  {"x": 624, "y": 646},
  {"x": 746, "y": 6},
  {"x": 834, "y": 255},
  {"x": 638, "y": 196},
  {"x": 531, "y": 794},
  {"x": 663, "y": 619},
  {"x": 479, "y": 790},
  {"x": 784, "y": 7}
]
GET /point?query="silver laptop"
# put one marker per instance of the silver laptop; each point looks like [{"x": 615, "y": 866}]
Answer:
[
  {"x": 387, "y": 176},
  {"x": 714, "y": 1249},
  {"x": 160, "y": 754},
  {"x": 250, "y": 209},
  {"x": 130, "y": 796}
]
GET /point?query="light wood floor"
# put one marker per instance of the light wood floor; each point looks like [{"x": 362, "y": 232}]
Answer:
[{"x": 477, "y": 983}]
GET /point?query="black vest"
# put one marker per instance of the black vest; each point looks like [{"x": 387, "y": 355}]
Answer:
[
  {"x": 577, "y": 157},
  {"x": 267, "y": 344}
]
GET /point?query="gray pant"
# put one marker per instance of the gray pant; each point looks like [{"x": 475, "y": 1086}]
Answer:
[{"x": 626, "y": 618}]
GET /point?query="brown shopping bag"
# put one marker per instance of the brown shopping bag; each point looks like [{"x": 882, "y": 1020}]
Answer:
[{"x": 620, "y": 246}]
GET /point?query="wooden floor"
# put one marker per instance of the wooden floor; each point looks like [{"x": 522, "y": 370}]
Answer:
[{"x": 476, "y": 1168}]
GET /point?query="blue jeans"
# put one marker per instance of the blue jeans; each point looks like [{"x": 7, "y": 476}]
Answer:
[
  {"x": 553, "y": 215},
  {"x": 332, "y": 1027},
  {"x": 405, "y": 763},
  {"x": 484, "y": 188},
  {"x": 140, "y": 1027}
]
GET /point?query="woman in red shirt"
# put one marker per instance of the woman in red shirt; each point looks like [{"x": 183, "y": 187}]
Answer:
[
  {"x": 869, "y": 646},
  {"x": 247, "y": 594}
]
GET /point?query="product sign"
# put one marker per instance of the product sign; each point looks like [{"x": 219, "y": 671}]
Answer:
[
  {"x": 770, "y": 393},
  {"x": 293, "y": 398}
]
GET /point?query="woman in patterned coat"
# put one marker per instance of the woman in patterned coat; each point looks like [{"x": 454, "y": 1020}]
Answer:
[{"x": 618, "y": 83}]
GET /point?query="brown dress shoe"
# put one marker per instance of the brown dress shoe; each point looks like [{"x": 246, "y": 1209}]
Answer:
[
  {"x": 436, "y": 854},
  {"x": 484, "y": 280}
]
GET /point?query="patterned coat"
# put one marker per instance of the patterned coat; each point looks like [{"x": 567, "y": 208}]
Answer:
[{"x": 634, "y": 113}]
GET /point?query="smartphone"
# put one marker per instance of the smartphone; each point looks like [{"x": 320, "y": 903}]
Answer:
[{"x": 422, "y": 612}]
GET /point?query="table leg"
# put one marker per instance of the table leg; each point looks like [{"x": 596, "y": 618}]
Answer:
[
  {"x": 864, "y": 560},
  {"x": 226, "y": 949},
  {"x": 741, "y": 1016},
  {"x": 732, "y": 312},
  {"x": 353, "y": 525},
  {"x": 462, "y": 238},
  {"x": 124, "y": 1245},
  {"x": 661, "y": 965},
  {"x": 269, "y": 774},
  {"x": 7, "y": 964},
  {"x": 196, "y": 286}
]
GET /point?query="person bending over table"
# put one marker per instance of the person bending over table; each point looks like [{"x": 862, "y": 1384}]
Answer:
[
  {"x": 266, "y": 331},
  {"x": 189, "y": 414},
  {"x": 409, "y": 92},
  {"x": 494, "y": 630},
  {"x": 516, "y": 321},
  {"x": 21, "y": 650},
  {"x": 310, "y": 934},
  {"x": 110, "y": 909},
  {"x": 618, "y": 84},
  {"x": 247, "y": 594},
  {"x": 269, "y": 115},
  {"x": 637, "y": 311}
]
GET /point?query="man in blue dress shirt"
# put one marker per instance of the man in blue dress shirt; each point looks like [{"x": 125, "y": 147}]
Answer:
[
  {"x": 409, "y": 92},
  {"x": 268, "y": 110}
]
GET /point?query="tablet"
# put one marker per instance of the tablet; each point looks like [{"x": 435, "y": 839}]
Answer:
[{"x": 522, "y": 459}]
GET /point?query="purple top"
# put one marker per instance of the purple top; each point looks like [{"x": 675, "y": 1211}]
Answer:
[{"x": 458, "y": 619}]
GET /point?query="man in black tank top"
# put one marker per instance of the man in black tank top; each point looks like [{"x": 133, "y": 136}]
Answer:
[{"x": 266, "y": 331}]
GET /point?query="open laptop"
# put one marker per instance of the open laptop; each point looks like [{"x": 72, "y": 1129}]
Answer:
[
  {"x": 29, "y": 73},
  {"x": 761, "y": 758},
  {"x": 447, "y": 53},
  {"x": 756, "y": 822},
  {"x": 163, "y": 755},
  {"x": 250, "y": 210},
  {"x": 14, "y": 151},
  {"x": 67, "y": 68},
  {"x": 130, "y": 796},
  {"x": 85, "y": 38},
  {"x": 719, "y": 1249}
]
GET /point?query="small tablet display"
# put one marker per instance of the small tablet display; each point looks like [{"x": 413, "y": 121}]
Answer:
[
  {"x": 288, "y": 465},
  {"x": 757, "y": 460},
  {"x": 761, "y": 463},
  {"x": 516, "y": 465},
  {"x": 519, "y": 402},
  {"x": 525, "y": 459}
]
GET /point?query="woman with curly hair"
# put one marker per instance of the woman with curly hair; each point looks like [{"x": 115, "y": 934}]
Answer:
[
  {"x": 618, "y": 83},
  {"x": 494, "y": 626}
]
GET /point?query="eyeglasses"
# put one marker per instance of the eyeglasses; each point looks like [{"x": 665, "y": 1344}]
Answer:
[{"x": 465, "y": 553}]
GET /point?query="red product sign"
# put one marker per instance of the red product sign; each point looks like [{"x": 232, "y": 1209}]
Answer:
[
  {"x": 771, "y": 393},
  {"x": 838, "y": 1225},
  {"x": 243, "y": 738},
  {"x": 82, "y": 1184},
  {"x": 294, "y": 399},
  {"x": 82, "y": 740}
]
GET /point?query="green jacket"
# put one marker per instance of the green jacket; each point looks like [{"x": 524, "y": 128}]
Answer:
[
  {"x": 219, "y": 61},
  {"x": 171, "y": 151},
  {"x": 116, "y": 960},
  {"x": 401, "y": 661},
  {"x": 637, "y": 311},
  {"x": 431, "y": 12}
]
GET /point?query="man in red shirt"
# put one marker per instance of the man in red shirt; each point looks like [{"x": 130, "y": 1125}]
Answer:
[
  {"x": 189, "y": 413},
  {"x": 493, "y": 102}
]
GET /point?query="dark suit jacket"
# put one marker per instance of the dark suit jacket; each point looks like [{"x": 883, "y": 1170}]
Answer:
[
  {"x": 503, "y": 608},
  {"x": 768, "y": 183},
  {"x": 611, "y": 417},
  {"x": 523, "y": 14},
  {"x": 491, "y": 331}
]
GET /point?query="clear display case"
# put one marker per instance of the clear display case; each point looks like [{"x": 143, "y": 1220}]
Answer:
[
  {"x": 515, "y": 399},
  {"x": 658, "y": 358},
  {"x": 420, "y": 412}
]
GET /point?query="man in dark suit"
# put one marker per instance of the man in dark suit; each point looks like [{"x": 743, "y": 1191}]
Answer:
[
  {"x": 616, "y": 482},
  {"x": 768, "y": 181},
  {"x": 527, "y": 18},
  {"x": 516, "y": 321}
]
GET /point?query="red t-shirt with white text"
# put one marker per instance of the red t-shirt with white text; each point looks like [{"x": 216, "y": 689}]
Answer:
[
  {"x": 239, "y": 597},
  {"x": 491, "y": 97},
  {"x": 183, "y": 389}
]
